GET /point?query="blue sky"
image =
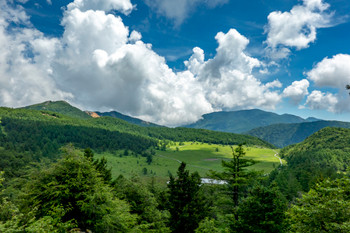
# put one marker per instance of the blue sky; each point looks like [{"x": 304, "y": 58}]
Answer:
[{"x": 171, "y": 61}]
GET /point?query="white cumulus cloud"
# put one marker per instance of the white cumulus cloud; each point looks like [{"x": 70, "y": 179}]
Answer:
[
  {"x": 228, "y": 78},
  {"x": 332, "y": 72},
  {"x": 25, "y": 79},
  {"x": 296, "y": 28},
  {"x": 320, "y": 100},
  {"x": 297, "y": 91}
]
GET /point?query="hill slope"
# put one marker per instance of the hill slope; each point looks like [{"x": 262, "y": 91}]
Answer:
[
  {"x": 325, "y": 153},
  {"x": 129, "y": 119},
  {"x": 60, "y": 107},
  {"x": 244, "y": 120},
  {"x": 282, "y": 135}
]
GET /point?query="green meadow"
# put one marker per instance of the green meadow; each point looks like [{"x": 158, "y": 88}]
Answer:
[{"x": 200, "y": 157}]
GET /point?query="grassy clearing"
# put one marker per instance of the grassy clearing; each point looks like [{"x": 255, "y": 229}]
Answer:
[{"x": 199, "y": 157}]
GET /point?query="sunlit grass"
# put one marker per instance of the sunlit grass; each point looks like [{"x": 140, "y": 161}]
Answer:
[{"x": 199, "y": 157}]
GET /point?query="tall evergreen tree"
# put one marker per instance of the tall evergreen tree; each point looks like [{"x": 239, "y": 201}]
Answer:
[
  {"x": 236, "y": 173},
  {"x": 186, "y": 203}
]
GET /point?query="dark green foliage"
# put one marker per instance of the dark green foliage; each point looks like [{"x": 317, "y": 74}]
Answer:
[
  {"x": 126, "y": 153},
  {"x": 149, "y": 159},
  {"x": 47, "y": 137},
  {"x": 73, "y": 185},
  {"x": 143, "y": 203},
  {"x": 282, "y": 135},
  {"x": 88, "y": 154},
  {"x": 101, "y": 167},
  {"x": 262, "y": 211},
  {"x": 144, "y": 171},
  {"x": 242, "y": 121},
  {"x": 325, "y": 208},
  {"x": 186, "y": 203},
  {"x": 287, "y": 182},
  {"x": 13, "y": 163}
]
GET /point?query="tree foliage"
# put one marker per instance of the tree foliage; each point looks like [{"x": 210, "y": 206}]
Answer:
[
  {"x": 74, "y": 185},
  {"x": 324, "y": 154},
  {"x": 325, "y": 208},
  {"x": 236, "y": 173},
  {"x": 262, "y": 211},
  {"x": 186, "y": 203}
]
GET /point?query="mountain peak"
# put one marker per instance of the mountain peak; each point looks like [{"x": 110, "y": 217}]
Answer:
[{"x": 60, "y": 106}]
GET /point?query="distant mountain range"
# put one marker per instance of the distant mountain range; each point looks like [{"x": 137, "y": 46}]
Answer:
[
  {"x": 244, "y": 120},
  {"x": 282, "y": 135},
  {"x": 279, "y": 130}
]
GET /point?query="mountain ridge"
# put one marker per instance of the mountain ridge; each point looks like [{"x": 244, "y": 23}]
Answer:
[
  {"x": 282, "y": 135},
  {"x": 43, "y": 112},
  {"x": 243, "y": 120},
  {"x": 127, "y": 118},
  {"x": 60, "y": 106}
]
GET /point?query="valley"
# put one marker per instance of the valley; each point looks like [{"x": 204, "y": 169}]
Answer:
[{"x": 199, "y": 157}]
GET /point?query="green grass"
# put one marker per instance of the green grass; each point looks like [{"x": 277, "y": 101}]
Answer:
[{"x": 199, "y": 157}]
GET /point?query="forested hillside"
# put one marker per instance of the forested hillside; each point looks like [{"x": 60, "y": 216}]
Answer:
[
  {"x": 129, "y": 119},
  {"x": 324, "y": 154},
  {"x": 244, "y": 120},
  {"x": 282, "y": 135},
  {"x": 115, "y": 124},
  {"x": 60, "y": 107}
]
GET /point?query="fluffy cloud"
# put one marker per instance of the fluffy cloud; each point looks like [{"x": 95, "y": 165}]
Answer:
[
  {"x": 119, "y": 71},
  {"x": 25, "y": 79},
  {"x": 320, "y": 100},
  {"x": 124, "y": 6},
  {"x": 297, "y": 91},
  {"x": 228, "y": 78},
  {"x": 296, "y": 28},
  {"x": 99, "y": 65},
  {"x": 179, "y": 10},
  {"x": 196, "y": 61},
  {"x": 332, "y": 72}
]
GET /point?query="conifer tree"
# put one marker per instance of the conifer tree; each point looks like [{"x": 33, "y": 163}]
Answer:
[
  {"x": 186, "y": 203},
  {"x": 236, "y": 173}
]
